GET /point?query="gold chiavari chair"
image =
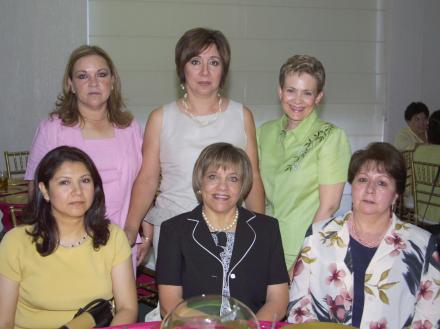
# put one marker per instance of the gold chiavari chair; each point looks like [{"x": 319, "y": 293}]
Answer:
[
  {"x": 147, "y": 287},
  {"x": 426, "y": 184},
  {"x": 15, "y": 215},
  {"x": 16, "y": 162},
  {"x": 405, "y": 208}
]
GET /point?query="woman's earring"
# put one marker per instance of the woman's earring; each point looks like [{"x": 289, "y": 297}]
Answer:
[
  {"x": 182, "y": 86},
  {"x": 199, "y": 192}
]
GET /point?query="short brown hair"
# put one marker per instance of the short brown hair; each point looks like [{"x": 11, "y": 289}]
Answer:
[
  {"x": 223, "y": 155},
  {"x": 194, "y": 42},
  {"x": 66, "y": 106},
  {"x": 386, "y": 157},
  {"x": 303, "y": 64}
]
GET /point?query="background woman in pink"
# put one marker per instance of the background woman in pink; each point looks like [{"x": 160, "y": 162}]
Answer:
[{"x": 89, "y": 115}]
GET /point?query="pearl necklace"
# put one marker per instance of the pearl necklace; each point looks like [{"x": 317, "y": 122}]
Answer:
[
  {"x": 74, "y": 244},
  {"x": 223, "y": 229},
  {"x": 367, "y": 243},
  {"x": 195, "y": 118}
]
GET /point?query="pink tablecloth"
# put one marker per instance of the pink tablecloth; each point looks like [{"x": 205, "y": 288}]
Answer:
[
  {"x": 156, "y": 325},
  {"x": 16, "y": 196},
  {"x": 145, "y": 325}
]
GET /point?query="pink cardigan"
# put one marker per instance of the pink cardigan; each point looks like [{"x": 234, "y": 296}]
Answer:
[{"x": 118, "y": 159}]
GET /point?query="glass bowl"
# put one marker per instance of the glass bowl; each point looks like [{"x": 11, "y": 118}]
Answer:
[{"x": 211, "y": 312}]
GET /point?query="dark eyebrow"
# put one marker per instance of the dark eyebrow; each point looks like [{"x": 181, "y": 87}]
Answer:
[{"x": 62, "y": 177}]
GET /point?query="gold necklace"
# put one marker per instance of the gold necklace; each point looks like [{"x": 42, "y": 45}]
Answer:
[
  {"x": 223, "y": 229},
  {"x": 73, "y": 244},
  {"x": 195, "y": 118}
]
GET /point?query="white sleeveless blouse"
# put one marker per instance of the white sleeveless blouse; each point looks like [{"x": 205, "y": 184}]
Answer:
[{"x": 181, "y": 141}]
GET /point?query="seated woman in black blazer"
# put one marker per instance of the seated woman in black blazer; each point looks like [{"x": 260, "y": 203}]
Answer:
[{"x": 219, "y": 247}]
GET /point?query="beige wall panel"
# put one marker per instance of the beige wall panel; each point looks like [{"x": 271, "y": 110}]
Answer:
[
  {"x": 261, "y": 87},
  {"x": 264, "y": 113},
  {"x": 359, "y": 142},
  {"x": 355, "y": 119},
  {"x": 141, "y": 113},
  {"x": 149, "y": 87},
  {"x": 162, "y": 19},
  {"x": 139, "y": 53},
  {"x": 352, "y": 88},
  {"x": 312, "y": 24},
  {"x": 340, "y": 4},
  {"x": 269, "y": 55}
]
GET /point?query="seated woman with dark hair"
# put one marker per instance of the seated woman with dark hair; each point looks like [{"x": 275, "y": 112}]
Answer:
[
  {"x": 219, "y": 247},
  {"x": 68, "y": 253},
  {"x": 416, "y": 117},
  {"x": 430, "y": 153},
  {"x": 434, "y": 128},
  {"x": 368, "y": 269}
]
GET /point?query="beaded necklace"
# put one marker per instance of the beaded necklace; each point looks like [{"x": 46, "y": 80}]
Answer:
[
  {"x": 371, "y": 243},
  {"x": 195, "y": 118},
  {"x": 223, "y": 229},
  {"x": 74, "y": 244}
]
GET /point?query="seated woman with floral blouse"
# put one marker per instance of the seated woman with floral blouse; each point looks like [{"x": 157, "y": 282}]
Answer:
[{"x": 368, "y": 269}]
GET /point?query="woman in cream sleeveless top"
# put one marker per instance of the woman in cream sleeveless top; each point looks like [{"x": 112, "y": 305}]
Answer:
[
  {"x": 181, "y": 141},
  {"x": 176, "y": 133}
]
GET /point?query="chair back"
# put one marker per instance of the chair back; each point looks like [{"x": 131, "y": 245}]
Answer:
[
  {"x": 16, "y": 162},
  {"x": 408, "y": 156},
  {"x": 405, "y": 203},
  {"x": 146, "y": 286},
  {"x": 426, "y": 183},
  {"x": 15, "y": 215}
]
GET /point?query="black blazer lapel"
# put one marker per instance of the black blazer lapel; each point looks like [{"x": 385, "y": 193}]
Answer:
[
  {"x": 245, "y": 237},
  {"x": 201, "y": 234}
]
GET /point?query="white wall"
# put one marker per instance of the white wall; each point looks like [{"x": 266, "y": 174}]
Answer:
[
  {"x": 431, "y": 55},
  {"x": 412, "y": 56},
  {"x": 35, "y": 39}
]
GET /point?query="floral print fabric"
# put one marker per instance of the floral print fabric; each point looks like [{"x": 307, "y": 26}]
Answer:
[{"x": 402, "y": 281}]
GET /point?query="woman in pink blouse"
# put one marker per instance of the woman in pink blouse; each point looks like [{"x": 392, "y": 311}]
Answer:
[{"x": 89, "y": 115}]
